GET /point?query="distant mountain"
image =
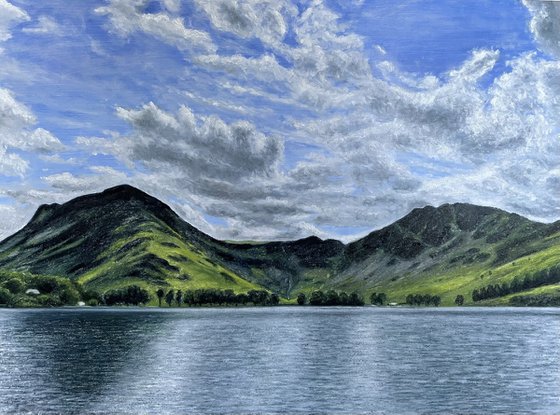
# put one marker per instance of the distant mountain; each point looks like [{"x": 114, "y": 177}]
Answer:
[
  {"x": 436, "y": 243},
  {"x": 123, "y": 236}
]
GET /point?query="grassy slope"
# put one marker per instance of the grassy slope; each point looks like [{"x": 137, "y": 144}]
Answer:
[
  {"x": 463, "y": 280},
  {"x": 181, "y": 266},
  {"x": 445, "y": 277}
]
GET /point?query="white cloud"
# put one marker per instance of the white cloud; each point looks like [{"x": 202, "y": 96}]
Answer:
[
  {"x": 17, "y": 132},
  {"x": 10, "y": 16},
  {"x": 266, "y": 20},
  {"x": 127, "y": 17},
  {"x": 174, "y": 6},
  {"x": 205, "y": 149},
  {"x": 545, "y": 24},
  {"x": 102, "y": 178},
  {"x": 13, "y": 218},
  {"x": 45, "y": 26}
]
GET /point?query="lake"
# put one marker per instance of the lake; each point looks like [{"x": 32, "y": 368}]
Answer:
[{"x": 280, "y": 360}]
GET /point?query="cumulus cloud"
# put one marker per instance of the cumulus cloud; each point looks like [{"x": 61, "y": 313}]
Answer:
[
  {"x": 127, "y": 17},
  {"x": 102, "y": 177},
  {"x": 545, "y": 24},
  {"x": 17, "y": 133},
  {"x": 205, "y": 149},
  {"x": 265, "y": 20}
]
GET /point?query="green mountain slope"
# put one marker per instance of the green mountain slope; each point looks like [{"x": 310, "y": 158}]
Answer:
[
  {"x": 123, "y": 236},
  {"x": 114, "y": 238},
  {"x": 449, "y": 250}
]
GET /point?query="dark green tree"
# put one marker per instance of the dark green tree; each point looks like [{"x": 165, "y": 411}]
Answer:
[
  {"x": 179, "y": 297},
  {"x": 317, "y": 298},
  {"x": 92, "y": 296},
  {"x": 229, "y": 297},
  {"x": 301, "y": 299},
  {"x": 274, "y": 299},
  {"x": 5, "y": 296},
  {"x": 435, "y": 300},
  {"x": 382, "y": 298},
  {"x": 188, "y": 297},
  {"x": 160, "y": 294},
  {"x": 378, "y": 299},
  {"x": 69, "y": 296},
  {"x": 476, "y": 295},
  {"x": 132, "y": 294},
  {"x": 355, "y": 299},
  {"x": 331, "y": 298},
  {"x": 169, "y": 297},
  {"x": 241, "y": 299},
  {"x": 459, "y": 300},
  {"x": 15, "y": 285}
]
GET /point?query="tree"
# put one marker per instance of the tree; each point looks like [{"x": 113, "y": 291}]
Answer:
[
  {"x": 436, "y": 300},
  {"x": 92, "y": 296},
  {"x": 274, "y": 299},
  {"x": 132, "y": 294},
  {"x": 69, "y": 296},
  {"x": 343, "y": 298},
  {"x": 229, "y": 297},
  {"x": 241, "y": 299},
  {"x": 382, "y": 298},
  {"x": 160, "y": 294},
  {"x": 378, "y": 299},
  {"x": 258, "y": 297},
  {"x": 301, "y": 299},
  {"x": 5, "y": 296},
  {"x": 317, "y": 298},
  {"x": 46, "y": 284},
  {"x": 179, "y": 297},
  {"x": 516, "y": 285},
  {"x": 355, "y": 299},
  {"x": 331, "y": 298},
  {"x": 169, "y": 297},
  {"x": 14, "y": 285},
  {"x": 459, "y": 300},
  {"x": 476, "y": 295}
]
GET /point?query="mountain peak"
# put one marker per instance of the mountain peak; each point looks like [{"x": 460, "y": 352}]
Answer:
[
  {"x": 125, "y": 192},
  {"x": 123, "y": 189}
]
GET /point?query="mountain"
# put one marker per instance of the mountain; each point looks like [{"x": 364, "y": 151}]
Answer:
[
  {"x": 441, "y": 250},
  {"x": 123, "y": 236}
]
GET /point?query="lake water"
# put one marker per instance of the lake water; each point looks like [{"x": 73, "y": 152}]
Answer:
[{"x": 280, "y": 360}]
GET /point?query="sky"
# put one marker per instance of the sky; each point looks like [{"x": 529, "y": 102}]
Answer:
[{"x": 277, "y": 119}]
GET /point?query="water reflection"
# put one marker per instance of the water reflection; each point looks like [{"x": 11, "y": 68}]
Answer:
[{"x": 280, "y": 360}]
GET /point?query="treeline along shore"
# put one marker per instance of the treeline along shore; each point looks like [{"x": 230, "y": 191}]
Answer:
[{"x": 20, "y": 290}]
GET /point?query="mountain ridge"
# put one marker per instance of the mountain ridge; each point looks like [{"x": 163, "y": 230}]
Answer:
[{"x": 126, "y": 235}]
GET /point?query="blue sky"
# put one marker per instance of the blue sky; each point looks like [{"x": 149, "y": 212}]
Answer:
[{"x": 278, "y": 119}]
